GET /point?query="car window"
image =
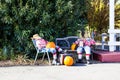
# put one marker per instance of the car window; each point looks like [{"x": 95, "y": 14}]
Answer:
[
  {"x": 71, "y": 40},
  {"x": 62, "y": 43}
]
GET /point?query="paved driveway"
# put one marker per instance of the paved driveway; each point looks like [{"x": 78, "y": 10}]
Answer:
[{"x": 101, "y": 71}]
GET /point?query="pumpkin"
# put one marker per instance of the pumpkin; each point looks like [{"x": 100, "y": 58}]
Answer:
[
  {"x": 68, "y": 61},
  {"x": 73, "y": 46},
  {"x": 50, "y": 45}
]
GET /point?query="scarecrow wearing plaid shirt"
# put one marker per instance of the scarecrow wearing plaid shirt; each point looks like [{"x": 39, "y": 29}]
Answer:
[
  {"x": 41, "y": 44},
  {"x": 86, "y": 45}
]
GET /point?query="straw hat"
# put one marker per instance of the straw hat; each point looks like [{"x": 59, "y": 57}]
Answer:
[{"x": 36, "y": 36}]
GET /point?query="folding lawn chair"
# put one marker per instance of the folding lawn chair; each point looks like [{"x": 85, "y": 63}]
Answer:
[{"x": 44, "y": 52}]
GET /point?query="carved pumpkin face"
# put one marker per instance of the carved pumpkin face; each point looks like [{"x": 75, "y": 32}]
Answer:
[{"x": 50, "y": 45}]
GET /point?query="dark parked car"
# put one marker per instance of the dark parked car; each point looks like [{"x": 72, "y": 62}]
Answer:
[{"x": 66, "y": 42}]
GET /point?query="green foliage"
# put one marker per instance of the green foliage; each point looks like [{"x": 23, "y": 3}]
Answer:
[
  {"x": 7, "y": 53},
  {"x": 98, "y": 15},
  {"x": 20, "y": 19},
  {"x": 117, "y": 16}
]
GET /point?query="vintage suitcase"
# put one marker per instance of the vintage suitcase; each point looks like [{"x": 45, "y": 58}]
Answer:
[{"x": 62, "y": 56}]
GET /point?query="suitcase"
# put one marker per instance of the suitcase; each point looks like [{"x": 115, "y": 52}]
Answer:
[{"x": 62, "y": 57}]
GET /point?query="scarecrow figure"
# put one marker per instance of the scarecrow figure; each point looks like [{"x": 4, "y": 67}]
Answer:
[
  {"x": 84, "y": 44},
  {"x": 43, "y": 44}
]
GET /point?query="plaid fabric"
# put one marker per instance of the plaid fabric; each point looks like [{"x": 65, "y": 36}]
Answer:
[
  {"x": 80, "y": 42},
  {"x": 41, "y": 43},
  {"x": 89, "y": 42},
  {"x": 86, "y": 42}
]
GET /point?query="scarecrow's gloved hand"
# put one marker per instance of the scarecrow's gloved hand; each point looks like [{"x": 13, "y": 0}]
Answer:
[{"x": 59, "y": 49}]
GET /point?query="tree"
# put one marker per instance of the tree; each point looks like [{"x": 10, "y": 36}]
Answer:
[
  {"x": 20, "y": 19},
  {"x": 67, "y": 16},
  {"x": 117, "y": 16},
  {"x": 98, "y": 15}
]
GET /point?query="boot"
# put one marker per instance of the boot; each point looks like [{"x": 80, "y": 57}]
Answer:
[
  {"x": 79, "y": 58},
  {"x": 54, "y": 62},
  {"x": 88, "y": 62},
  {"x": 79, "y": 61},
  {"x": 88, "y": 59}
]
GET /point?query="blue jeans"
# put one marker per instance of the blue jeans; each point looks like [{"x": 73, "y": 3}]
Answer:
[
  {"x": 52, "y": 50},
  {"x": 86, "y": 48}
]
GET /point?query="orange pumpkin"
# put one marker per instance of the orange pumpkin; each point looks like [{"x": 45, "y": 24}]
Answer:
[
  {"x": 68, "y": 61},
  {"x": 73, "y": 46},
  {"x": 50, "y": 45}
]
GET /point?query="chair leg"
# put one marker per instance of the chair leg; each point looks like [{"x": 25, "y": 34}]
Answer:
[
  {"x": 43, "y": 56},
  {"x": 36, "y": 58},
  {"x": 48, "y": 58}
]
